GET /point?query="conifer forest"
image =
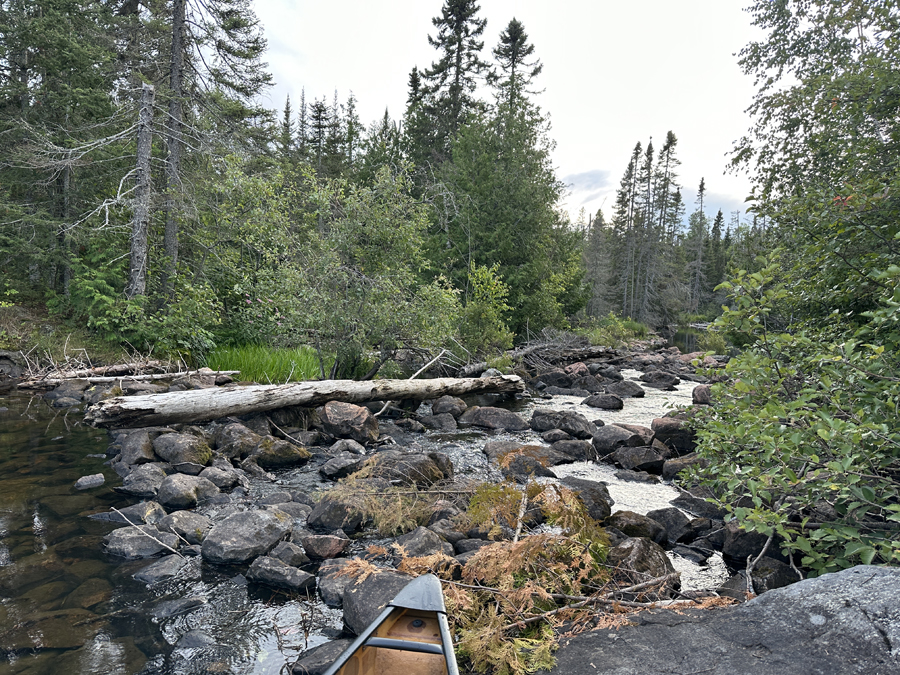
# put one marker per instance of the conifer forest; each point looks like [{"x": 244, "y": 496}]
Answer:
[{"x": 148, "y": 198}]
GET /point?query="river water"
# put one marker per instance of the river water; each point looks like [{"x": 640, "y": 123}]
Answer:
[{"x": 67, "y": 607}]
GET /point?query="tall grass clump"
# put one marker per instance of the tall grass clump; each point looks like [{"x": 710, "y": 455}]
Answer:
[
  {"x": 611, "y": 330},
  {"x": 267, "y": 365}
]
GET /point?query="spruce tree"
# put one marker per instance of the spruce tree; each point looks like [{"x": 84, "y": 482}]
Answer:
[{"x": 517, "y": 72}]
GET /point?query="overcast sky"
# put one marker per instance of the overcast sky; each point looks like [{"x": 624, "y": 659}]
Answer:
[{"x": 615, "y": 72}]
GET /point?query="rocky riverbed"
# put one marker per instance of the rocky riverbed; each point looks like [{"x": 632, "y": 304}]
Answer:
[{"x": 226, "y": 530}]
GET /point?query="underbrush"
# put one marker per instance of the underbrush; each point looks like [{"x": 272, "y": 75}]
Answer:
[
  {"x": 267, "y": 365},
  {"x": 611, "y": 330}
]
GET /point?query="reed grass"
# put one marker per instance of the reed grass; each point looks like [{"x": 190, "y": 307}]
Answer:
[{"x": 268, "y": 365}]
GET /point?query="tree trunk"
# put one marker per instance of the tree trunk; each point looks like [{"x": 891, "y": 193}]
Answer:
[
  {"x": 173, "y": 140},
  {"x": 208, "y": 404},
  {"x": 137, "y": 276}
]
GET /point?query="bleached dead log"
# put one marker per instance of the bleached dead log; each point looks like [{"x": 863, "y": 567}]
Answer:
[
  {"x": 208, "y": 404},
  {"x": 42, "y": 383}
]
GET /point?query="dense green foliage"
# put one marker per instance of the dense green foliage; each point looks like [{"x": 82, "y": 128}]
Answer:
[{"x": 805, "y": 440}]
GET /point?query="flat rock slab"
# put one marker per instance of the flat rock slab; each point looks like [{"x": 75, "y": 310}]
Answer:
[{"x": 847, "y": 622}]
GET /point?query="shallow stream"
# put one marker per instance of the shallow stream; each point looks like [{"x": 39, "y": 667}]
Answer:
[{"x": 67, "y": 607}]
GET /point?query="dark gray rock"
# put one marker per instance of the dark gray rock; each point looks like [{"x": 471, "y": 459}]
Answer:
[
  {"x": 188, "y": 525},
  {"x": 449, "y": 404},
  {"x": 365, "y": 600},
  {"x": 148, "y": 513},
  {"x": 527, "y": 464},
  {"x": 440, "y": 422},
  {"x": 319, "y": 659},
  {"x": 244, "y": 536},
  {"x": 698, "y": 506},
  {"x": 588, "y": 383},
  {"x": 574, "y": 424},
  {"x": 696, "y": 555},
  {"x": 442, "y": 510},
  {"x": 420, "y": 542},
  {"x": 164, "y": 568},
  {"x": 641, "y": 458},
  {"x": 638, "y": 559},
  {"x": 342, "y": 465},
  {"x": 845, "y": 623},
  {"x": 332, "y": 513},
  {"x": 466, "y": 545},
  {"x": 409, "y": 467},
  {"x": 638, "y": 525},
  {"x": 675, "y": 434},
  {"x": 636, "y": 476},
  {"x": 493, "y": 418},
  {"x": 607, "y": 439},
  {"x": 70, "y": 389},
  {"x": 345, "y": 420},
  {"x": 582, "y": 451},
  {"x": 604, "y": 402},
  {"x": 595, "y": 496},
  {"x": 144, "y": 481},
  {"x": 702, "y": 394},
  {"x": 139, "y": 541},
  {"x": 676, "y": 524},
  {"x": 332, "y": 583},
  {"x": 294, "y": 510},
  {"x": 135, "y": 447},
  {"x": 195, "y": 639},
  {"x": 555, "y": 435},
  {"x": 181, "y": 491},
  {"x": 740, "y": 544},
  {"x": 347, "y": 445},
  {"x": 625, "y": 389},
  {"x": 65, "y": 402},
  {"x": 673, "y": 467},
  {"x": 278, "y": 574},
  {"x": 559, "y": 391},
  {"x": 446, "y": 530},
  {"x": 224, "y": 479},
  {"x": 659, "y": 379},
  {"x": 554, "y": 378},
  {"x": 289, "y": 553}
]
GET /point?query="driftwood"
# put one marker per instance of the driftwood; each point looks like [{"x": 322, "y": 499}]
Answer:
[
  {"x": 208, "y": 404},
  {"x": 42, "y": 383}
]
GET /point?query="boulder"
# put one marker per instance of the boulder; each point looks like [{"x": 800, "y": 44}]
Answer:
[
  {"x": 582, "y": 451},
  {"x": 659, "y": 379},
  {"x": 139, "y": 541},
  {"x": 607, "y": 439},
  {"x": 224, "y": 479},
  {"x": 845, "y": 622},
  {"x": 559, "y": 391},
  {"x": 420, "y": 542},
  {"x": 135, "y": 447},
  {"x": 345, "y": 420},
  {"x": 675, "y": 434},
  {"x": 274, "y": 453},
  {"x": 492, "y": 418},
  {"x": 588, "y": 383},
  {"x": 440, "y": 422},
  {"x": 446, "y": 531},
  {"x": 604, "y": 402},
  {"x": 332, "y": 583},
  {"x": 698, "y": 506},
  {"x": 318, "y": 660},
  {"x": 137, "y": 514},
  {"x": 332, "y": 513},
  {"x": 235, "y": 441},
  {"x": 637, "y": 525},
  {"x": 740, "y": 544},
  {"x": 702, "y": 395},
  {"x": 406, "y": 467},
  {"x": 343, "y": 465},
  {"x": 182, "y": 449},
  {"x": 347, "y": 445},
  {"x": 188, "y": 525},
  {"x": 606, "y": 371},
  {"x": 449, "y": 405},
  {"x": 555, "y": 435},
  {"x": 278, "y": 574},
  {"x": 577, "y": 369},
  {"x": 625, "y": 389},
  {"x": 676, "y": 524},
  {"x": 181, "y": 491},
  {"x": 594, "y": 495},
  {"x": 638, "y": 459},
  {"x": 325, "y": 546},
  {"x": 289, "y": 553},
  {"x": 244, "y": 536},
  {"x": 364, "y": 601},
  {"x": 672, "y": 467},
  {"x": 164, "y": 568},
  {"x": 572, "y": 423},
  {"x": 638, "y": 559},
  {"x": 144, "y": 481},
  {"x": 553, "y": 378}
]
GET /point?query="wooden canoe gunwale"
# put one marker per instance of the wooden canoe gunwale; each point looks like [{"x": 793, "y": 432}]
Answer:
[{"x": 421, "y": 595}]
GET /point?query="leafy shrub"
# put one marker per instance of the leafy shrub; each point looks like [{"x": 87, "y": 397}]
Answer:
[
  {"x": 484, "y": 330},
  {"x": 612, "y": 331}
]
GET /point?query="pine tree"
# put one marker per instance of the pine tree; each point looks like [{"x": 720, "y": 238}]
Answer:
[
  {"x": 696, "y": 246},
  {"x": 517, "y": 72}
]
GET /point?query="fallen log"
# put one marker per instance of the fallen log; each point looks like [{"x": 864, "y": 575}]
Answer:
[
  {"x": 48, "y": 382},
  {"x": 209, "y": 404}
]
